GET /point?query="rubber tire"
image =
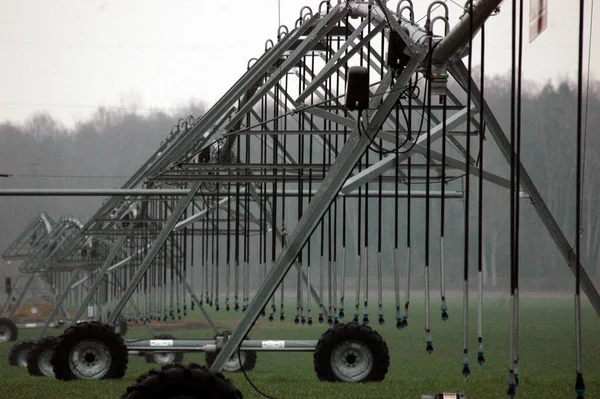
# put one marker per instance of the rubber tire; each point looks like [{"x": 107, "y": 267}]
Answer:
[
  {"x": 13, "y": 355},
  {"x": 249, "y": 362},
  {"x": 84, "y": 330},
  {"x": 123, "y": 327},
  {"x": 35, "y": 353},
  {"x": 179, "y": 381},
  {"x": 351, "y": 332},
  {"x": 12, "y": 328},
  {"x": 178, "y": 355}
]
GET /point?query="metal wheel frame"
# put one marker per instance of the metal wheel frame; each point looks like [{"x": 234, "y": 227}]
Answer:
[
  {"x": 352, "y": 355},
  {"x": 44, "y": 364},
  {"x": 22, "y": 357},
  {"x": 5, "y": 334},
  {"x": 164, "y": 358},
  {"x": 94, "y": 347},
  {"x": 233, "y": 363}
]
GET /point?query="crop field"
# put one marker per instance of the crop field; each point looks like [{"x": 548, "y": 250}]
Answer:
[{"x": 547, "y": 357}]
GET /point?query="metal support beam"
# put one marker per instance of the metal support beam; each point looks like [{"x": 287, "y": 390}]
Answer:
[
  {"x": 158, "y": 243},
  {"x": 99, "y": 276},
  {"x": 378, "y": 168},
  {"x": 353, "y": 149},
  {"x": 460, "y": 72},
  {"x": 58, "y": 304},
  {"x": 20, "y": 298}
]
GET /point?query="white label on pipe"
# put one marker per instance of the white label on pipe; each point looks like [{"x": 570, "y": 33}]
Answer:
[
  {"x": 273, "y": 344},
  {"x": 30, "y": 325},
  {"x": 161, "y": 342}
]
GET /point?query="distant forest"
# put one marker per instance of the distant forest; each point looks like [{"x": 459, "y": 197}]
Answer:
[{"x": 105, "y": 150}]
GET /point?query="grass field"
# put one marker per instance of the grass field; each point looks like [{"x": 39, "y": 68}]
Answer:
[{"x": 547, "y": 363}]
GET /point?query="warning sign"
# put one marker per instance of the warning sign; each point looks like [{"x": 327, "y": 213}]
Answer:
[{"x": 538, "y": 18}]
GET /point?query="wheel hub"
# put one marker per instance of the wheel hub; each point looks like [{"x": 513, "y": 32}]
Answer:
[
  {"x": 351, "y": 361},
  {"x": 164, "y": 358},
  {"x": 22, "y": 357},
  {"x": 4, "y": 334},
  {"x": 233, "y": 364},
  {"x": 90, "y": 359},
  {"x": 44, "y": 363}
]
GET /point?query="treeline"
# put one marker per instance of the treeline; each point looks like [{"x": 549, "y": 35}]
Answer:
[{"x": 105, "y": 150}]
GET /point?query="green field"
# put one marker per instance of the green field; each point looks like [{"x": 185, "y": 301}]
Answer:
[{"x": 547, "y": 363}]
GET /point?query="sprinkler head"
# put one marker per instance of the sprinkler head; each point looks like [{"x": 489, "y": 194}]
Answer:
[
  {"x": 466, "y": 371},
  {"x": 365, "y": 320},
  {"x": 444, "y": 316},
  {"x": 355, "y": 319},
  {"x": 227, "y": 308},
  {"x": 271, "y": 318},
  {"x": 321, "y": 319},
  {"x": 236, "y": 307},
  {"x": 381, "y": 320},
  {"x": 296, "y": 320},
  {"x": 330, "y": 320},
  {"x": 310, "y": 322},
  {"x": 303, "y": 320},
  {"x": 281, "y": 317},
  {"x": 511, "y": 392},
  {"x": 429, "y": 348},
  {"x": 341, "y": 314},
  {"x": 336, "y": 322},
  {"x": 480, "y": 358}
]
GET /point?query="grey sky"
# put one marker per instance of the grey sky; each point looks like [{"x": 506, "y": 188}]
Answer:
[{"x": 70, "y": 56}]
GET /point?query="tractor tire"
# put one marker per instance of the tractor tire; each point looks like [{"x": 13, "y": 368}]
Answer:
[
  {"x": 248, "y": 359},
  {"x": 179, "y": 381},
  {"x": 351, "y": 353},
  {"x": 18, "y": 354},
  {"x": 164, "y": 358},
  {"x": 8, "y": 330},
  {"x": 38, "y": 359},
  {"x": 89, "y": 351}
]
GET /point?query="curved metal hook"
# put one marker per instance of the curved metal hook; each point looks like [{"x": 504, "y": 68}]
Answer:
[
  {"x": 411, "y": 13},
  {"x": 182, "y": 124},
  {"x": 299, "y": 23},
  {"x": 309, "y": 13},
  {"x": 191, "y": 121},
  {"x": 399, "y": 8},
  {"x": 280, "y": 34},
  {"x": 440, "y": 18},
  {"x": 439, "y": 3},
  {"x": 269, "y": 41},
  {"x": 174, "y": 129},
  {"x": 250, "y": 61},
  {"x": 327, "y": 3}
]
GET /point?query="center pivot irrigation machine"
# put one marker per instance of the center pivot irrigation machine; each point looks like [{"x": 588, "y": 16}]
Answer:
[{"x": 352, "y": 116}]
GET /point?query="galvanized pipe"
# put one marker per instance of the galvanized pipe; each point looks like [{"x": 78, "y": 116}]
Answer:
[{"x": 461, "y": 33}]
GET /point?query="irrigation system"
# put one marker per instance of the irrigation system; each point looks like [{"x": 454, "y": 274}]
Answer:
[{"x": 304, "y": 168}]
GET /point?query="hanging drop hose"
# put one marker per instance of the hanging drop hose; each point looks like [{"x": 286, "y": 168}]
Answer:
[
  {"x": 444, "y": 306},
  {"x": 465, "y": 362},
  {"x": 512, "y": 379},
  {"x": 228, "y": 257},
  {"x": 480, "y": 351},
  {"x": 396, "y": 229},
  {"x": 283, "y": 229},
  {"x": 379, "y": 245},
  {"x": 579, "y": 384},
  {"x": 428, "y": 338},
  {"x": 404, "y": 323}
]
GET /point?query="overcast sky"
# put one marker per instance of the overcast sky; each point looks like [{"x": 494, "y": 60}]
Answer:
[{"x": 70, "y": 56}]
